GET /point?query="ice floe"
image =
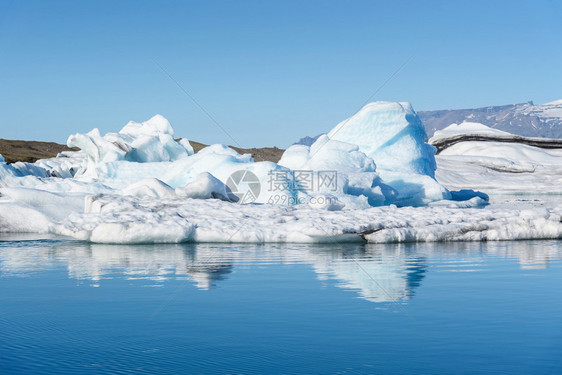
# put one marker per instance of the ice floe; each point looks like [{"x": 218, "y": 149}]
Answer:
[
  {"x": 129, "y": 219},
  {"x": 372, "y": 178}
]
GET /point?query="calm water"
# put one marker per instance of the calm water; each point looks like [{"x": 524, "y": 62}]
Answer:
[{"x": 69, "y": 307}]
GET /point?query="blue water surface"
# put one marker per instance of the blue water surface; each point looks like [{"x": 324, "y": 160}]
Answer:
[{"x": 68, "y": 307}]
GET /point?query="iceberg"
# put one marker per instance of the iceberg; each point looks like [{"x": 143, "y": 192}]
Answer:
[
  {"x": 149, "y": 141},
  {"x": 392, "y": 134},
  {"x": 372, "y": 178},
  {"x": 356, "y": 182}
]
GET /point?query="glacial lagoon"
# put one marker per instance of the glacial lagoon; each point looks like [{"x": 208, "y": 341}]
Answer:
[{"x": 441, "y": 308}]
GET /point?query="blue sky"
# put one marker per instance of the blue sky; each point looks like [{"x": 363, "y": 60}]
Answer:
[{"x": 270, "y": 72}]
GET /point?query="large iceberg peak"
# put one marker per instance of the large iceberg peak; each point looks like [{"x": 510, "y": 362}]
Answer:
[{"x": 392, "y": 134}]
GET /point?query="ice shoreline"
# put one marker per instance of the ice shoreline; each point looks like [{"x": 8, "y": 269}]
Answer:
[{"x": 117, "y": 219}]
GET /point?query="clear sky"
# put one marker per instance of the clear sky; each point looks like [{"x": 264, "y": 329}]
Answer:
[{"x": 270, "y": 72}]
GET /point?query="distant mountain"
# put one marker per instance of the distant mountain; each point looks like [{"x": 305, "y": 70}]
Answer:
[
  {"x": 307, "y": 141},
  {"x": 524, "y": 119}
]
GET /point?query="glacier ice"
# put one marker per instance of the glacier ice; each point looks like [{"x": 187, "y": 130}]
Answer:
[
  {"x": 392, "y": 135},
  {"x": 206, "y": 186},
  {"x": 148, "y": 150},
  {"x": 149, "y": 141},
  {"x": 110, "y": 218},
  {"x": 363, "y": 181},
  {"x": 150, "y": 188},
  {"x": 356, "y": 177},
  {"x": 495, "y": 163}
]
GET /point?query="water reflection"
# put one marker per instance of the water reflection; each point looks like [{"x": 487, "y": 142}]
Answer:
[{"x": 378, "y": 273}]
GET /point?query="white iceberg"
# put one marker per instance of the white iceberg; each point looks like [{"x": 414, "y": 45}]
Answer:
[
  {"x": 392, "y": 135},
  {"x": 149, "y": 141},
  {"x": 140, "y": 185},
  {"x": 355, "y": 181}
]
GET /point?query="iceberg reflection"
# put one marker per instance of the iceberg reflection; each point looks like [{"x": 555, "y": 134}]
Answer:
[{"x": 377, "y": 273}]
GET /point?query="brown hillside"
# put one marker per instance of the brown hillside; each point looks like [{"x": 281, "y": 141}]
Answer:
[{"x": 30, "y": 151}]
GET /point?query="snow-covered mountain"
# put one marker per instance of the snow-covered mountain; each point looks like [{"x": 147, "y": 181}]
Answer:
[{"x": 526, "y": 119}]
